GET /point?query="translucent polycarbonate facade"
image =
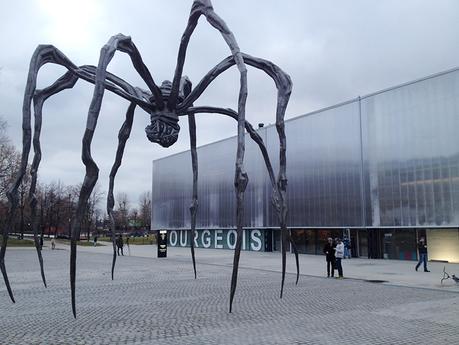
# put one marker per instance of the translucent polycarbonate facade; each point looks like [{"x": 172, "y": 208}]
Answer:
[
  {"x": 387, "y": 159},
  {"x": 411, "y": 153},
  {"x": 172, "y": 188},
  {"x": 323, "y": 168}
]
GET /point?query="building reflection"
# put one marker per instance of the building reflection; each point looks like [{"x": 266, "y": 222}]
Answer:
[{"x": 385, "y": 166}]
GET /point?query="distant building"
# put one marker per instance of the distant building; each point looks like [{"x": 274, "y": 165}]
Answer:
[{"x": 382, "y": 169}]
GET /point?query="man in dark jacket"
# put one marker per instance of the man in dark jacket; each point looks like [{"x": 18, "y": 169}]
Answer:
[
  {"x": 422, "y": 249},
  {"x": 120, "y": 244},
  {"x": 329, "y": 251}
]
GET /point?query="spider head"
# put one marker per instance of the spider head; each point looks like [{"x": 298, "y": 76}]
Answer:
[{"x": 164, "y": 127}]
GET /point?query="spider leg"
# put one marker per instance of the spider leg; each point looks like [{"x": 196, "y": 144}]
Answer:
[
  {"x": 185, "y": 88},
  {"x": 66, "y": 82},
  {"x": 42, "y": 55},
  {"x": 194, "y": 202},
  {"x": 284, "y": 86},
  {"x": 123, "y": 136},
  {"x": 259, "y": 141},
  {"x": 49, "y": 54},
  {"x": 241, "y": 179},
  {"x": 124, "y": 44},
  {"x": 199, "y": 8},
  {"x": 204, "y": 7}
]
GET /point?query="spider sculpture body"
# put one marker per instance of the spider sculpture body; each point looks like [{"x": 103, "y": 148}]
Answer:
[{"x": 165, "y": 105}]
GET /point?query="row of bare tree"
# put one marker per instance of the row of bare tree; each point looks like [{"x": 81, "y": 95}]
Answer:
[{"x": 57, "y": 202}]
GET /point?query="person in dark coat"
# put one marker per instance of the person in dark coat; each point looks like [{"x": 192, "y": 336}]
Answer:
[
  {"x": 329, "y": 251},
  {"x": 120, "y": 244},
  {"x": 422, "y": 249}
]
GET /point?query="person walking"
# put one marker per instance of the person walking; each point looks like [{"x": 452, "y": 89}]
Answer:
[
  {"x": 120, "y": 244},
  {"x": 347, "y": 248},
  {"x": 53, "y": 243},
  {"x": 339, "y": 254},
  {"x": 95, "y": 240},
  {"x": 422, "y": 249},
  {"x": 329, "y": 251}
]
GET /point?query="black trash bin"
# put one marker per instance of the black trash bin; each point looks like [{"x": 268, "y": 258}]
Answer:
[{"x": 162, "y": 243}]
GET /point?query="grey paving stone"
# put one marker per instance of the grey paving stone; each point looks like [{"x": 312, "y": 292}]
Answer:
[{"x": 159, "y": 302}]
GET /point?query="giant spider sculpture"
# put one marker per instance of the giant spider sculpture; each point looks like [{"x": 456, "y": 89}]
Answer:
[{"x": 164, "y": 104}]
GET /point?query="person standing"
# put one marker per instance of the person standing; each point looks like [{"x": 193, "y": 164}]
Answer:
[
  {"x": 422, "y": 249},
  {"x": 329, "y": 251},
  {"x": 347, "y": 248},
  {"x": 95, "y": 240},
  {"x": 339, "y": 254},
  {"x": 53, "y": 243},
  {"x": 120, "y": 244}
]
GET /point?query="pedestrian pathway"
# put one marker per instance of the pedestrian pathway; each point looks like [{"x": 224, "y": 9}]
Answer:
[{"x": 389, "y": 272}]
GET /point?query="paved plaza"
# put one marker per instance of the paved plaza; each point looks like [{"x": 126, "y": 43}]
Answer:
[{"x": 157, "y": 301}]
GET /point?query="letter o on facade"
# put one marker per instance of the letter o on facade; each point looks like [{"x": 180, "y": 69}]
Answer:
[
  {"x": 231, "y": 245},
  {"x": 173, "y": 238}
]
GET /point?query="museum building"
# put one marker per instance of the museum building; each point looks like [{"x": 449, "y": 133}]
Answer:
[{"x": 382, "y": 169}]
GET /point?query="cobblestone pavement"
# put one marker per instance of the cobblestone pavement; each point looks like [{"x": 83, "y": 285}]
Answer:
[{"x": 157, "y": 301}]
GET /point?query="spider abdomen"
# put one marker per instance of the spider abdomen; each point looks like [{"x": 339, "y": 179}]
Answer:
[{"x": 163, "y": 130}]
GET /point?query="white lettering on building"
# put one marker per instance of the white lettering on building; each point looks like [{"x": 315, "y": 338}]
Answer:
[
  {"x": 255, "y": 236},
  {"x": 173, "y": 238},
  {"x": 183, "y": 238},
  {"x": 205, "y": 241},
  {"x": 228, "y": 239},
  {"x": 196, "y": 234},
  {"x": 218, "y": 239}
]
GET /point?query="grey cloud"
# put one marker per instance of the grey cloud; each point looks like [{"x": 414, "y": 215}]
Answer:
[{"x": 333, "y": 50}]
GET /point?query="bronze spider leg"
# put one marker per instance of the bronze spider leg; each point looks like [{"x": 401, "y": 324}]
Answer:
[
  {"x": 46, "y": 54},
  {"x": 259, "y": 141},
  {"x": 124, "y": 44},
  {"x": 123, "y": 136},
  {"x": 67, "y": 82},
  {"x": 42, "y": 55},
  {"x": 185, "y": 86},
  {"x": 40, "y": 96},
  {"x": 194, "y": 202},
  {"x": 199, "y": 8},
  {"x": 284, "y": 87}
]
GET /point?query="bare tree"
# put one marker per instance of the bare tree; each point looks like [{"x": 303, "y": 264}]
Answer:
[
  {"x": 145, "y": 210},
  {"x": 10, "y": 160},
  {"x": 122, "y": 211},
  {"x": 92, "y": 210}
]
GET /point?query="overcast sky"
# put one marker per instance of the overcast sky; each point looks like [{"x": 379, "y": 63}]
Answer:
[{"x": 333, "y": 51}]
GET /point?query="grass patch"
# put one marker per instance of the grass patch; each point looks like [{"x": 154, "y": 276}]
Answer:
[
  {"x": 81, "y": 243},
  {"x": 106, "y": 239},
  {"x": 151, "y": 239},
  {"x": 89, "y": 244},
  {"x": 13, "y": 242}
]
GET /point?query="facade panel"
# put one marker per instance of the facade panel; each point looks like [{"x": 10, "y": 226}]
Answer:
[
  {"x": 323, "y": 168},
  {"x": 172, "y": 187},
  {"x": 411, "y": 153},
  {"x": 390, "y": 159}
]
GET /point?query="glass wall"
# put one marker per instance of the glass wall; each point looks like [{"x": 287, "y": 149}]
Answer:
[
  {"x": 323, "y": 168},
  {"x": 387, "y": 159},
  {"x": 411, "y": 151},
  {"x": 172, "y": 188}
]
